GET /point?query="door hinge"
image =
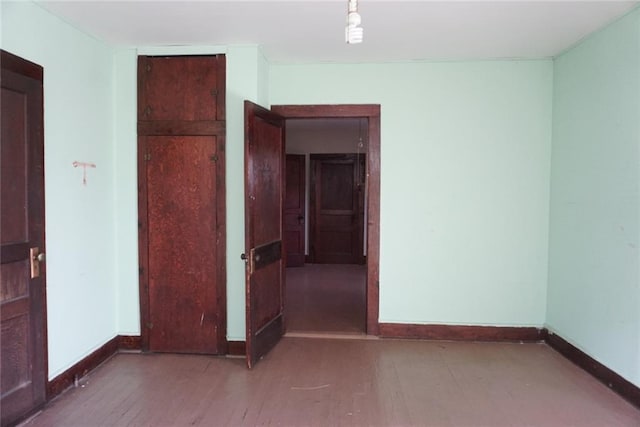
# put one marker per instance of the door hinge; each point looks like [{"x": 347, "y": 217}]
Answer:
[
  {"x": 148, "y": 67},
  {"x": 214, "y": 158},
  {"x": 150, "y": 325},
  {"x": 147, "y": 157},
  {"x": 214, "y": 92},
  {"x": 141, "y": 271}
]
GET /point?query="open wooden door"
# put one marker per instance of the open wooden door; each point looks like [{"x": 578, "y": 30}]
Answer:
[{"x": 264, "y": 251}]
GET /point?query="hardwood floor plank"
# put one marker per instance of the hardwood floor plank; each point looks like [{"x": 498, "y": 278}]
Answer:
[
  {"x": 320, "y": 382},
  {"x": 326, "y": 298}
]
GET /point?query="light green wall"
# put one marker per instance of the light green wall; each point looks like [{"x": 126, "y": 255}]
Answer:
[
  {"x": 126, "y": 183},
  {"x": 504, "y": 141},
  {"x": 594, "y": 266},
  {"x": 246, "y": 69},
  {"x": 80, "y": 221},
  {"x": 465, "y": 182}
]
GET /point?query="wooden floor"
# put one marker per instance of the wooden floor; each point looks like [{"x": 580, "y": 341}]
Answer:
[
  {"x": 327, "y": 382},
  {"x": 326, "y": 298}
]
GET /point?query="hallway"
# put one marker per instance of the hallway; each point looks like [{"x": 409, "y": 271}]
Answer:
[{"x": 326, "y": 298}]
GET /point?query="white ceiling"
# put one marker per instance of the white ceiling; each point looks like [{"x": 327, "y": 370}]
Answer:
[{"x": 313, "y": 31}]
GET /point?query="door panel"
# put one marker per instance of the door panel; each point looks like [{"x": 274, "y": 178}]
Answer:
[
  {"x": 181, "y": 203},
  {"x": 167, "y": 92},
  {"x": 181, "y": 220},
  {"x": 294, "y": 219},
  {"x": 22, "y": 297},
  {"x": 264, "y": 202},
  {"x": 337, "y": 208},
  {"x": 14, "y": 166}
]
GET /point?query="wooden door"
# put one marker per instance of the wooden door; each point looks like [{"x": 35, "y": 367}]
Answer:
[
  {"x": 181, "y": 186},
  {"x": 264, "y": 251},
  {"x": 294, "y": 220},
  {"x": 182, "y": 204},
  {"x": 337, "y": 221},
  {"x": 22, "y": 274}
]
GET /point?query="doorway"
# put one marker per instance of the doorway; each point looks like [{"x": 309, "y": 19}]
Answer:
[{"x": 336, "y": 291}]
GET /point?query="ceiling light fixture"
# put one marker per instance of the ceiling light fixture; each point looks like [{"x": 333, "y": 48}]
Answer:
[{"x": 353, "y": 32}]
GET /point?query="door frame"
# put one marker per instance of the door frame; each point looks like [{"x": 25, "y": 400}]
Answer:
[
  {"x": 28, "y": 69},
  {"x": 371, "y": 112}
]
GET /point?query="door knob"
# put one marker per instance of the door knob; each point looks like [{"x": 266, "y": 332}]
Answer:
[
  {"x": 243, "y": 257},
  {"x": 40, "y": 257}
]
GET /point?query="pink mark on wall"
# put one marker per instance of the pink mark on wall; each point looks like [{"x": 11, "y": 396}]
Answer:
[{"x": 84, "y": 166}]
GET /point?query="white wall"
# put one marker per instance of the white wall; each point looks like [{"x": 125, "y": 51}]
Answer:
[
  {"x": 594, "y": 266},
  {"x": 465, "y": 182},
  {"x": 80, "y": 223}
]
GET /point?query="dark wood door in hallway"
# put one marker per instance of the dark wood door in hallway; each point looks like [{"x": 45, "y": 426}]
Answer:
[
  {"x": 337, "y": 208},
  {"x": 326, "y": 298}
]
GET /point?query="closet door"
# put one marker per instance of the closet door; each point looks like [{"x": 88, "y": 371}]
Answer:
[{"x": 181, "y": 127}]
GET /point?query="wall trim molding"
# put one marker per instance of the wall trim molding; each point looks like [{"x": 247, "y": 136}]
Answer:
[
  {"x": 605, "y": 375},
  {"x": 463, "y": 332},
  {"x": 68, "y": 378},
  {"x": 129, "y": 342}
]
